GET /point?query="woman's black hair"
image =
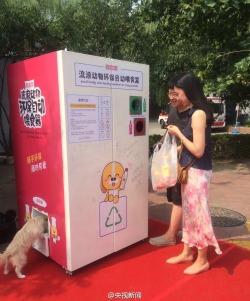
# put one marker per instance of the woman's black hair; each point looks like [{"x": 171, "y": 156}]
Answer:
[
  {"x": 192, "y": 87},
  {"x": 171, "y": 84}
]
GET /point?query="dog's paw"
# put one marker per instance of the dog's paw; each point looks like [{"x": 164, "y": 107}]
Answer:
[
  {"x": 116, "y": 199},
  {"x": 111, "y": 197},
  {"x": 19, "y": 274},
  {"x": 6, "y": 272}
]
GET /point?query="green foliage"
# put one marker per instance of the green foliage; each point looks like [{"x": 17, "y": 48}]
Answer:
[
  {"x": 34, "y": 27},
  {"x": 195, "y": 36},
  {"x": 170, "y": 36},
  {"x": 152, "y": 140},
  {"x": 228, "y": 146},
  {"x": 247, "y": 123},
  {"x": 97, "y": 27},
  {"x": 209, "y": 37},
  {"x": 224, "y": 146}
]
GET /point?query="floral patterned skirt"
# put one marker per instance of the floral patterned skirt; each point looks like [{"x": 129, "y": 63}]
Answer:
[{"x": 197, "y": 225}]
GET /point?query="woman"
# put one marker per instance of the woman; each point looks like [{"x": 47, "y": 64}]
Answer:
[
  {"x": 196, "y": 143},
  {"x": 178, "y": 116}
]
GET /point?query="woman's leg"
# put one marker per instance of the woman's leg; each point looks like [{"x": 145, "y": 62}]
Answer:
[
  {"x": 175, "y": 221},
  {"x": 185, "y": 256},
  {"x": 168, "y": 239},
  {"x": 201, "y": 264}
]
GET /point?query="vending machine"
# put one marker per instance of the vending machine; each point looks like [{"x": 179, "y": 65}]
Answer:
[{"x": 80, "y": 138}]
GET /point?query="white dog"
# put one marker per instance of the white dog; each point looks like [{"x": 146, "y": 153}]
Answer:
[{"x": 16, "y": 252}]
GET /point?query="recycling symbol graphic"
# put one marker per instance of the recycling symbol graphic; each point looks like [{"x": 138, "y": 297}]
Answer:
[{"x": 117, "y": 217}]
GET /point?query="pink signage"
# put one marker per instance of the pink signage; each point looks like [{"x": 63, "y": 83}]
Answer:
[{"x": 36, "y": 135}]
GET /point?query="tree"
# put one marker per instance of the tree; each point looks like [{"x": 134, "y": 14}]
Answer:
[
  {"x": 22, "y": 31},
  {"x": 225, "y": 51},
  {"x": 209, "y": 37},
  {"x": 193, "y": 35},
  {"x": 34, "y": 27}
]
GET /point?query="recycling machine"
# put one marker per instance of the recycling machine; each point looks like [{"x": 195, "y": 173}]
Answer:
[{"x": 80, "y": 138}]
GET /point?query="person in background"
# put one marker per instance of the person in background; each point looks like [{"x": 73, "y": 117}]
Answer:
[
  {"x": 178, "y": 116},
  {"x": 195, "y": 138}
]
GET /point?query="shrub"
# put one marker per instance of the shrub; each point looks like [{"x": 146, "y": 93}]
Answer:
[
  {"x": 228, "y": 146},
  {"x": 152, "y": 140},
  {"x": 224, "y": 146},
  {"x": 247, "y": 123}
]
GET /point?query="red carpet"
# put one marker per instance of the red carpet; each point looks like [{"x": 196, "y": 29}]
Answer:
[{"x": 138, "y": 272}]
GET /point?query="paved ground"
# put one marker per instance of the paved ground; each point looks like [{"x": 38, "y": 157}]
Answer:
[{"x": 229, "y": 199}]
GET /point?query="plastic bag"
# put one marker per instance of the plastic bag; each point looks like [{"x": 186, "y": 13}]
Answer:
[
  {"x": 150, "y": 188},
  {"x": 164, "y": 164}
]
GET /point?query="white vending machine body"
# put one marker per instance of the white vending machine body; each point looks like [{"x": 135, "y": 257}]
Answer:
[{"x": 86, "y": 155}]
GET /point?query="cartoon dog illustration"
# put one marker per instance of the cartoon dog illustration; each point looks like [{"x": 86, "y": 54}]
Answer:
[
  {"x": 54, "y": 231},
  {"x": 112, "y": 178}
]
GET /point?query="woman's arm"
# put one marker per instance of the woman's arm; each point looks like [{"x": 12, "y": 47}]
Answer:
[{"x": 198, "y": 124}]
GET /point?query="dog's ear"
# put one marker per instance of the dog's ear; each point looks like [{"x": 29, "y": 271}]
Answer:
[{"x": 103, "y": 189}]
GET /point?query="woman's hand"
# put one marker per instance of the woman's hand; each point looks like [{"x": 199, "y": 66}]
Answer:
[{"x": 174, "y": 130}]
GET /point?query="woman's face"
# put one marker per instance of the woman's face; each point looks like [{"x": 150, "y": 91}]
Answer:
[
  {"x": 181, "y": 96},
  {"x": 173, "y": 99}
]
